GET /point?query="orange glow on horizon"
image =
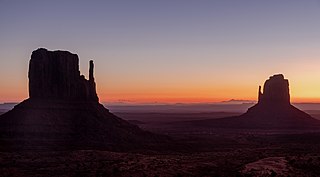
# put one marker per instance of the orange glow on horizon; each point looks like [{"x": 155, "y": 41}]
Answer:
[
  {"x": 175, "y": 94},
  {"x": 165, "y": 98},
  {"x": 303, "y": 89},
  {"x": 190, "y": 99}
]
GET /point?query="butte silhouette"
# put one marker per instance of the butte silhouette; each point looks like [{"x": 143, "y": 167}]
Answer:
[
  {"x": 63, "y": 111},
  {"x": 273, "y": 111}
]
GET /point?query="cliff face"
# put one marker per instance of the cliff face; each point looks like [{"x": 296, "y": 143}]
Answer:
[
  {"x": 56, "y": 75},
  {"x": 63, "y": 111},
  {"x": 275, "y": 91},
  {"x": 273, "y": 111}
]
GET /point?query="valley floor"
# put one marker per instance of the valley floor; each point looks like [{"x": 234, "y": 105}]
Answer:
[
  {"x": 215, "y": 152},
  {"x": 283, "y": 155}
]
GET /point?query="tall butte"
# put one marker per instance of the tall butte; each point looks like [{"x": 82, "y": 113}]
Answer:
[
  {"x": 273, "y": 110},
  {"x": 63, "y": 111},
  {"x": 56, "y": 76}
]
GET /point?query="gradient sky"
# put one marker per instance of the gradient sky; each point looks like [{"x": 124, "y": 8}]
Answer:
[{"x": 168, "y": 50}]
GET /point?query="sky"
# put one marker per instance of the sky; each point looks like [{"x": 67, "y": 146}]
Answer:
[{"x": 168, "y": 51}]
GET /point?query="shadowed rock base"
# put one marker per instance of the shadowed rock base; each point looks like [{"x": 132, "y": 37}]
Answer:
[{"x": 35, "y": 124}]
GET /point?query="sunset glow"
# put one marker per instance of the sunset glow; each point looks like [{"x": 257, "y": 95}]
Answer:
[{"x": 195, "y": 52}]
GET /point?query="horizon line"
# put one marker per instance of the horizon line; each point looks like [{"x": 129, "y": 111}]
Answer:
[{"x": 228, "y": 102}]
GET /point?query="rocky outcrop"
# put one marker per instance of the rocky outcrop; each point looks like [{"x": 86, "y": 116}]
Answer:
[
  {"x": 275, "y": 91},
  {"x": 56, "y": 75},
  {"x": 273, "y": 111},
  {"x": 63, "y": 112}
]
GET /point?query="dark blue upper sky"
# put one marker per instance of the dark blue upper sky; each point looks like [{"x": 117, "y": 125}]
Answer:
[{"x": 146, "y": 47}]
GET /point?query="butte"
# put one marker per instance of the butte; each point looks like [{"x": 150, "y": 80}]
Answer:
[
  {"x": 273, "y": 111},
  {"x": 63, "y": 112}
]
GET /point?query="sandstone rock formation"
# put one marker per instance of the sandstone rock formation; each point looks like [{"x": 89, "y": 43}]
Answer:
[
  {"x": 274, "y": 108},
  {"x": 56, "y": 75},
  {"x": 273, "y": 111},
  {"x": 63, "y": 111},
  {"x": 275, "y": 91}
]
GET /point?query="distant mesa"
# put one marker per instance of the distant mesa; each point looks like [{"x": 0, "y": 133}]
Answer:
[
  {"x": 63, "y": 111},
  {"x": 273, "y": 111},
  {"x": 235, "y": 101}
]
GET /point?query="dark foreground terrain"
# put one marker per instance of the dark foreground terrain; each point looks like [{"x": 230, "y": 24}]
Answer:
[
  {"x": 232, "y": 155},
  {"x": 228, "y": 153},
  {"x": 195, "y": 152}
]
